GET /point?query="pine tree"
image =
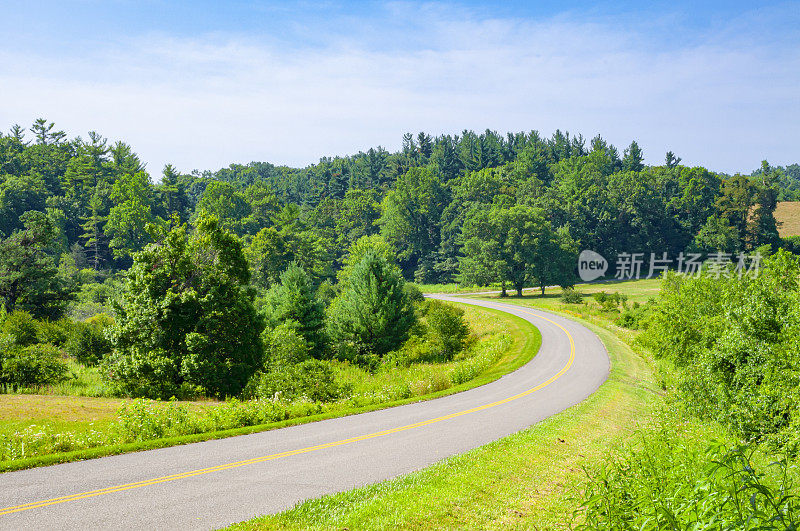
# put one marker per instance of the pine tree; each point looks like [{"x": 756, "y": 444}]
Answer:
[
  {"x": 294, "y": 300},
  {"x": 95, "y": 240},
  {"x": 372, "y": 316},
  {"x": 633, "y": 158}
]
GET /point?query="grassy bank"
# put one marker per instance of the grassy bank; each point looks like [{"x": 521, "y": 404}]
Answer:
[
  {"x": 532, "y": 479},
  {"x": 56, "y": 429}
]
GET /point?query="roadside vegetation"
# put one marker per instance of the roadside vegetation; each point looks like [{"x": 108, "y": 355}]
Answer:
[{"x": 696, "y": 427}]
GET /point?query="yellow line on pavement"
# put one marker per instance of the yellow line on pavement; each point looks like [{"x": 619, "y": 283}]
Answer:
[{"x": 237, "y": 464}]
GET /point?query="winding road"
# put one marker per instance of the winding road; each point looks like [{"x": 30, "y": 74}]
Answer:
[{"x": 215, "y": 483}]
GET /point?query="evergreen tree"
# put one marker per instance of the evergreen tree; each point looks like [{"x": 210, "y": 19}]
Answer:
[
  {"x": 633, "y": 158},
  {"x": 294, "y": 300},
  {"x": 372, "y": 315}
]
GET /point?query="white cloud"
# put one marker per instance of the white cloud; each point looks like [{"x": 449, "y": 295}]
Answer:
[{"x": 211, "y": 100}]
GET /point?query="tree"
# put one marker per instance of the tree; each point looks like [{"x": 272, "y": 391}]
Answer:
[
  {"x": 29, "y": 279},
  {"x": 171, "y": 196},
  {"x": 187, "y": 320},
  {"x": 94, "y": 237},
  {"x": 717, "y": 236},
  {"x": 518, "y": 246},
  {"x": 372, "y": 315},
  {"x": 671, "y": 161},
  {"x": 272, "y": 250},
  {"x": 411, "y": 215},
  {"x": 735, "y": 202},
  {"x": 632, "y": 159},
  {"x": 359, "y": 249},
  {"x": 294, "y": 300},
  {"x": 762, "y": 228},
  {"x": 221, "y": 199},
  {"x": 131, "y": 214}
]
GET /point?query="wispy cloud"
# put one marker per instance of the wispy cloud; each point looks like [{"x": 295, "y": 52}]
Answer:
[{"x": 725, "y": 100}]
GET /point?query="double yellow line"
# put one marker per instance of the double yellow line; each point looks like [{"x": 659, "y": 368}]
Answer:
[{"x": 237, "y": 464}]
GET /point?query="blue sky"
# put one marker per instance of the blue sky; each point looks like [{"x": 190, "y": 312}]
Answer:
[{"x": 204, "y": 84}]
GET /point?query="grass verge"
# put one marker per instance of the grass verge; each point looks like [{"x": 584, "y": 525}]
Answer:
[
  {"x": 524, "y": 345},
  {"x": 529, "y": 480}
]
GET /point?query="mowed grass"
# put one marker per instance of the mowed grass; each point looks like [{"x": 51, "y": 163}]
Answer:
[
  {"x": 84, "y": 427},
  {"x": 787, "y": 214},
  {"x": 530, "y": 480}
]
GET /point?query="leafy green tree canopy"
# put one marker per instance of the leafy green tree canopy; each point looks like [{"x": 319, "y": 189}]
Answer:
[{"x": 187, "y": 321}]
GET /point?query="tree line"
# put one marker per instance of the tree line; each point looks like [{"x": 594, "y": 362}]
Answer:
[{"x": 476, "y": 208}]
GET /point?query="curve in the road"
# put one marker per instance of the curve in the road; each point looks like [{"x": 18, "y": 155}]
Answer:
[{"x": 562, "y": 374}]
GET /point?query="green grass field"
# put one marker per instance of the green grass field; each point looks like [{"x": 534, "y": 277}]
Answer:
[
  {"x": 530, "y": 480},
  {"x": 38, "y": 430}
]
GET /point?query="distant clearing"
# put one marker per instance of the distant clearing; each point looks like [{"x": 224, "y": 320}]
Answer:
[{"x": 788, "y": 213}]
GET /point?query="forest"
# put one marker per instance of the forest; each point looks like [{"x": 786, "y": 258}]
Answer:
[{"x": 161, "y": 281}]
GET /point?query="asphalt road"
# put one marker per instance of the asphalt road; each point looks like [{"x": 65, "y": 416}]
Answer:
[{"x": 215, "y": 483}]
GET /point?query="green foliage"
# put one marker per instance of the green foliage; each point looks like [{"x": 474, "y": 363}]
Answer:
[
  {"x": 734, "y": 341},
  {"x": 313, "y": 380},
  {"x": 610, "y": 302},
  {"x": 571, "y": 296},
  {"x": 132, "y": 212},
  {"x": 21, "y": 328},
  {"x": 372, "y": 315},
  {"x": 284, "y": 345},
  {"x": 88, "y": 342},
  {"x": 516, "y": 245},
  {"x": 294, "y": 300},
  {"x": 187, "y": 318},
  {"x": 674, "y": 482},
  {"x": 447, "y": 329},
  {"x": 28, "y": 276},
  {"x": 31, "y": 365}
]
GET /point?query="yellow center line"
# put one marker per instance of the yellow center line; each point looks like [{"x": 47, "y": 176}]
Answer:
[{"x": 237, "y": 464}]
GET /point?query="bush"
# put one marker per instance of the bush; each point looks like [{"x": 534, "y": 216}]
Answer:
[
  {"x": 32, "y": 365},
  {"x": 570, "y": 296},
  {"x": 88, "y": 342},
  {"x": 609, "y": 302},
  {"x": 21, "y": 327},
  {"x": 413, "y": 292},
  {"x": 284, "y": 346},
  {"x": 55, "y": 333},
  {"x": 447, "y": 328},
  {"x": 312, "y": 379}
]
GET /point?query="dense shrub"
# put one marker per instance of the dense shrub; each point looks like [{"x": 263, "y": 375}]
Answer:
[
  {"x": 88, "y": 342},
  {"x": 30, "y": 366},
  {"x": 312, "y": 379},
  {"x": 55, "y": 333},
  {"x": 570, "y": 296},
  {"x": 447, "y": 329},
  {"x": 21, "y": 327},
  {"x": 284, "y": 346},
  {"x": 636, "y": 317},
  {"x": 736, "y": 344},
  {"x": 610, "y": 302},
  {"x": 673, "y": 482}
]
